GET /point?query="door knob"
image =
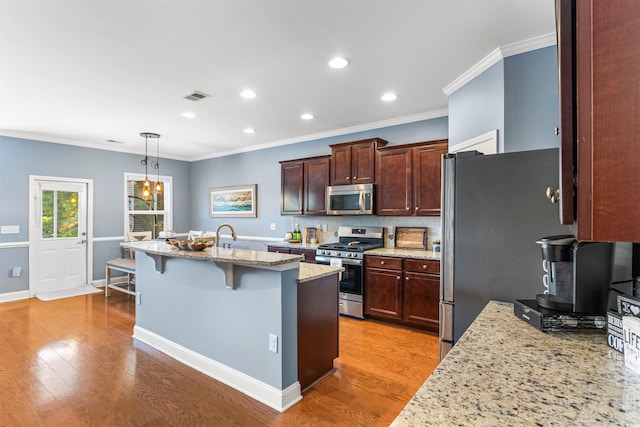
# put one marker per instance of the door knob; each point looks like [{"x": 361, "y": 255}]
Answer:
[
  {"x": 83, "y": 241},
  {"x": 553, "y": 194}
]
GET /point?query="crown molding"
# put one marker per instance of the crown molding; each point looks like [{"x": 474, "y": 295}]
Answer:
[{"x": 497, "y": 55}]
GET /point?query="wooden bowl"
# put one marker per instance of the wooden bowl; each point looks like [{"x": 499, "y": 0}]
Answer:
[
  {"x": 184, "y": 244},
  {"x": 197, "y": 246}
]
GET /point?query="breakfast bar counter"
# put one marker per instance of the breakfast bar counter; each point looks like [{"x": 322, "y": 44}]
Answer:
[
  {"x": 505, "y": 372},
  {"x": 234, "y": 315}
]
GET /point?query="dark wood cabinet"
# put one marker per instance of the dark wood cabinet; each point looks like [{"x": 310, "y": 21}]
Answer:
[
  {"x": 292, "y": 178},
  {"x": 421, "y": 301},
  {"x": 600, "y": 97},
  {"x": 394, "y": 191},
  {"x": 316, "y": 179},
  {"x": 404, "y": 291},
  {"x": 318, "y": 329},
  {"x": 383, "y": 287},
  {"x": 354, "y": 162},
  {"x": 303, "y": 186},
  {"x": 308, "y": 255},
  {"x": 408, "y": 179}
]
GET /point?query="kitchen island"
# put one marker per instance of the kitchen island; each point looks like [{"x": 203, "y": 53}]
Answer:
[
  {"x": 505, "y": 372},
  {"x": 231, "y": 314}
]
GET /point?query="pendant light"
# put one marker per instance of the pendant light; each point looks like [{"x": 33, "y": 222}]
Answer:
[{"x": 146, "y": 188}]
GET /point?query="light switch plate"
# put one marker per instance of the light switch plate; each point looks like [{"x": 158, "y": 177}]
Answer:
[
  {"x": 9, "y": 229},
  {"x": 273, "y": 343}
]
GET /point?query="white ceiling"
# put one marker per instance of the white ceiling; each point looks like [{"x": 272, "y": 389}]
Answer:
[{"x": 86, "y": 71}]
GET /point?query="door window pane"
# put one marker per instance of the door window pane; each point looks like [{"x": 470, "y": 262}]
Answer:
[
  {"x": 59, "y": 214},
  {"x": 47, "y": 214},
  {"x": 67, "y": 214}
]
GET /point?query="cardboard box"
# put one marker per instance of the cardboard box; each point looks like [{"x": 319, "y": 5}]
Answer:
[
  {"x": 629, "y": 305},
  {"x": 631, "y": 331},
  {"x": 615, "y": 337}
]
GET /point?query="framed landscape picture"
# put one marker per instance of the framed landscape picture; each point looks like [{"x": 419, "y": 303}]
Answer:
[{"x": 237, "y": 201}]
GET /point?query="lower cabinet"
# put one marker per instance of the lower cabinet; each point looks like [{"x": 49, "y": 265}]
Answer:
[
  {"x": 308, "y": 255},
  {"x": 404, "y": 291},
  {"x": 318, "y": 329}
]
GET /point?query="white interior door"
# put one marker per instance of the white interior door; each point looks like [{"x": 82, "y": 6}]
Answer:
[{"x": 58, "y": 236}]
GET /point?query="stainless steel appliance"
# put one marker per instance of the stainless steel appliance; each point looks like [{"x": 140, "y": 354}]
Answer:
[
  {"x": 350, "y": 199},
  {"x": 493, "y": 211},
  {"x": 349, "y": 253}
]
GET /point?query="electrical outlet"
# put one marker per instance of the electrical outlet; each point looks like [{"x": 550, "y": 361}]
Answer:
[
  {"x": 16, "y": 271},
  {"x": 273, "y": 343},
  {"x": 273, "y": 225}
]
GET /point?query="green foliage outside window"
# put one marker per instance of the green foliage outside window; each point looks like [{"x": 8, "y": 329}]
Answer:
[{"x": 59, "y": 214}]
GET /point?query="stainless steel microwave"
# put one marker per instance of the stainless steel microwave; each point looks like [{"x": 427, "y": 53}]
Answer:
[{"x": 350, "y": 199}]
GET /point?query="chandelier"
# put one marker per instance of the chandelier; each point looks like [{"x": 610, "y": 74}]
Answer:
[{"x": 155, "y": 164}]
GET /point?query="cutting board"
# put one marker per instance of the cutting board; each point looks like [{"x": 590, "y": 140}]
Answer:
[{"x": 411, "y": 237}]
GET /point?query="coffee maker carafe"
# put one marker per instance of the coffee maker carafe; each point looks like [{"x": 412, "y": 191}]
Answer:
[{"x": 577, "y": 275}]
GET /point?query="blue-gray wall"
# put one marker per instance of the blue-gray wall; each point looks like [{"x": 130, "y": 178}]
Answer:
[
  {"x": 518, "y": 96},
  {"x": 21, "y": 158},
  {"x": 531, "y": 100},
  {"x": 478, "y": 106}
]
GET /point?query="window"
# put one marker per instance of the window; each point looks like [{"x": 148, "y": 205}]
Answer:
[{"x": 153, "y": 214}]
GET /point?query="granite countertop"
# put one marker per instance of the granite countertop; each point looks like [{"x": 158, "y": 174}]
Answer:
[
  {"x": 505, "y": 372},
  {"x": 392, "y": 252},
  {"x": 405, "y": 253},
  {"x": 215, "y": 254},
  {"x": 285, "y": 244},
  {"x": 310, "y": 272}
]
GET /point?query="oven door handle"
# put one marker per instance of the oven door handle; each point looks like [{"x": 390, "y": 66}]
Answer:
[{"x": 345, "y": 261}]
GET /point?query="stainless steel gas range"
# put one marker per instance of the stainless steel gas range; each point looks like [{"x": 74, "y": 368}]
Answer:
[{"x": 349, "y": 253}]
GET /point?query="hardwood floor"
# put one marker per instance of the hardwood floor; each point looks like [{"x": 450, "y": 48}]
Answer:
[{"x": 73, "y": 362}]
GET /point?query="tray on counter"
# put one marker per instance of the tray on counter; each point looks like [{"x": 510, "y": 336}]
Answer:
[{"x": 411, "y": 238}]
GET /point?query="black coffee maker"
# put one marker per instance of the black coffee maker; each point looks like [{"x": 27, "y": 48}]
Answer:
[{"x": 577, "y": 275}]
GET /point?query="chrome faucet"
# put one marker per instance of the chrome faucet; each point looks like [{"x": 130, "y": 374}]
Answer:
[{"x": 233, "y": 233}]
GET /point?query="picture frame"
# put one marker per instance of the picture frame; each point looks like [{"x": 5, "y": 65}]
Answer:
[{"x": 238, "y": 201}]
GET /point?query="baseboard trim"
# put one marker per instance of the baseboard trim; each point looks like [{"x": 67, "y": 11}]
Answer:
[
  {"x": 14, "y": 296},
  {"x": 280, "y": 400}
]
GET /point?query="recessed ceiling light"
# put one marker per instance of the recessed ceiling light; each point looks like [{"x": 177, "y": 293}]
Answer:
[
  {"x": 188, "y": 114},
  {"x": 249, "y": 130},
  {"x": 389, "y": 96},
  {"x": 306, "y": 116},
  {"x": 248, "y": 94},
  {"x": 338, "y": 62}
]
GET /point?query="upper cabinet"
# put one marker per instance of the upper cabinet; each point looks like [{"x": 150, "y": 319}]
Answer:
[
  {"x": 599, "y": 102},
  {"x": 354, "y": 162},
  {"x": 303, "y": 186},
  {"x": 408, "y": 179}
]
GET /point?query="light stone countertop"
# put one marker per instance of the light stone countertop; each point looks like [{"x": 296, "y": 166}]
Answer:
[
  {"x": 215, "y": 254},
  {"x": 392, "y": 252},
  {"x": 505, "y": 372},
  {"x": 405, "y": 253},
  {"x": 285, "y": 244},
  {"x": 310, "y": 272}
]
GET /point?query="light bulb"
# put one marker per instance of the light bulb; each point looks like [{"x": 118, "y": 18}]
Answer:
[
  {"x": 147, "y": 183},
  {"x": 158, "y": 187}
]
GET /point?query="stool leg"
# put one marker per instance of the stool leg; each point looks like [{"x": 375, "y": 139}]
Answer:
[{"x": 107, "y": 279}]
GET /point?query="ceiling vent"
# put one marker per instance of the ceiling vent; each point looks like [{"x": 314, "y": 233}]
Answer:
[{"x": 197, "y": 96}]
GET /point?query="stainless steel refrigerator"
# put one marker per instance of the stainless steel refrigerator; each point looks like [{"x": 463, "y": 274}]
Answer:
[{"x": 494, "y": 208}]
